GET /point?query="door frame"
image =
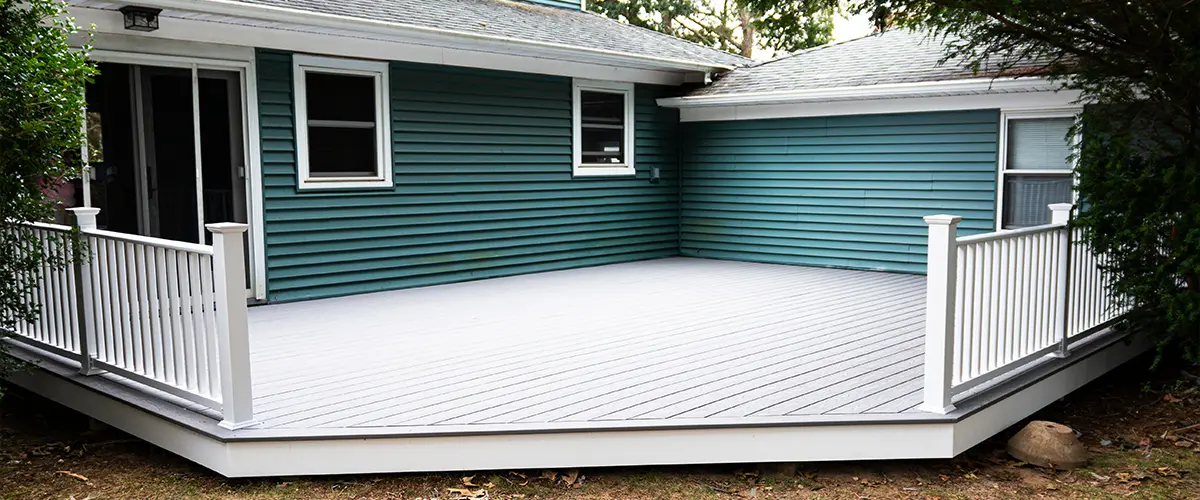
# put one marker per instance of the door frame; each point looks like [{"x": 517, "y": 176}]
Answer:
[{"x": 250, "y": 142}]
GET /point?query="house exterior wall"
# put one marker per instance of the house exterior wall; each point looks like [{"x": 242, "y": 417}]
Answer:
[
  {"x": 846, "y": 191},
  {"x": 482, "y": 188}
]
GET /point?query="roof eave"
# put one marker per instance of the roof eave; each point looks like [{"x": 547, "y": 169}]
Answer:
[
  {"x": 966, "y": 86},
  {"x": 430, "y": 34}
]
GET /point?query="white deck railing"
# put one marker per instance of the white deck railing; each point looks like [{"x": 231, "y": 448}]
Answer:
[
  {"x": 998, "y": 302},
  {"x": 166, "y": 314}
]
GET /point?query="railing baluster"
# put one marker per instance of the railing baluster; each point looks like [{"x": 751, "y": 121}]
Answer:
[
  {"x": 959, "y": 314},
  {"x": 977, "y": 313},
  {"x": 209, "y": 301},
  {"x": 198, "y": 342},
  {"x": 185, "y": 318},
  {"x": 143, "y": 304},
  {"x": 162, "y": 314},
  {"x": 183, "y": 370}
]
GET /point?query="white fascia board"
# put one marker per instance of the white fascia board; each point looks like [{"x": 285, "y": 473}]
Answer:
[
  {"x": 425, "y": 33},
  {"x": 1008, "y": 101},
  {"x": 968, "y": 86},
  {"x": 205, "y": 33}
]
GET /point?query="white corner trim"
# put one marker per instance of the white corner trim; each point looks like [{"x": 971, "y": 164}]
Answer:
[
  {"x": 626, "y": 167},
  {"x": 882, "y": 91},
  {"x": 378, "y": 71},
  {"x": 873, "y": 106},
  {"x": 273, "y": 13}
]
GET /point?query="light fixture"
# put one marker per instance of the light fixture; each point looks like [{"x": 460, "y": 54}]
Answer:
[{"x": 140, "y": 18}]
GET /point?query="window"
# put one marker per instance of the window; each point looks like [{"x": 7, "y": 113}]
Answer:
[
  {"x": 1035, "y": 166},
  {"x": 603, "y": 138},
  {"x": 342, "y": 132}
]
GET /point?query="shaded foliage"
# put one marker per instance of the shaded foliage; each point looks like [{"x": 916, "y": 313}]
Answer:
[
  {"x": 737, "y": 26},
  {"x": 41, "y": 119}
]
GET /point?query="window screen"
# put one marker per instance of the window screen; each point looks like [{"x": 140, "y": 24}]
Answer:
[
  {"x": 341, "y": 125},
  {"x": 602, "y": 127},
  {"x": 1027, "y": 198}
]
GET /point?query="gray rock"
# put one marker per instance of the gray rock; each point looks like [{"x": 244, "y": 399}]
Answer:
[{"x": 1047, "y": 444}]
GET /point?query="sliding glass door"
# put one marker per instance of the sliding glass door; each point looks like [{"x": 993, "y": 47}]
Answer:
[{"x": 167, "y": 149}]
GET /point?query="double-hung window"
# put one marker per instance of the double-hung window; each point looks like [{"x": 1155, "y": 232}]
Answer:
[
  {"x": 1035, "y": 166},
  {"x": 603, "y": 126},
  {"x": 342, "y": 133}
]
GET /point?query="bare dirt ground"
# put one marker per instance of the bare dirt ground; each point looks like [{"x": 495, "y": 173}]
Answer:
[{"x": 1132, "y": 421}]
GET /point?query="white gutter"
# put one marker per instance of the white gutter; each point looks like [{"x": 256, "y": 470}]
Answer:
[
  {"x": 967, "y": 86},
  {"x": 272, "y": 13}
]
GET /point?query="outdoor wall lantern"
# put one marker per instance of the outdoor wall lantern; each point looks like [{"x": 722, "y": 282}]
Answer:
[{"x": 140, "y": 18}]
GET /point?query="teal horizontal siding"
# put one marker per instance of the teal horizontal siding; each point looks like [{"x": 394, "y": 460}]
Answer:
[
  {"x": 839, "y": 191},
  {"x": 482, "y": 188}
]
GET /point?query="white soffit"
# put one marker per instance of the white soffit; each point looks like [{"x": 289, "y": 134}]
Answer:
[
  {"x": 975, "y": 93},
  {"x": 209, "y": 28}
]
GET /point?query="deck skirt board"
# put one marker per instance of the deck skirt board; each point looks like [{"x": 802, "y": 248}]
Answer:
[{"x": 659, "y": 340}]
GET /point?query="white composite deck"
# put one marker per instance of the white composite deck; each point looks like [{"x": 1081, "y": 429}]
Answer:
[
  {"x": 668, "y": 361},
  {"x": 645, "y": 341}
]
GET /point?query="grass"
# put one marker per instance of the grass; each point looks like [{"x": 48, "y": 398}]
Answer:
[{"x": 1125, "y": 420}]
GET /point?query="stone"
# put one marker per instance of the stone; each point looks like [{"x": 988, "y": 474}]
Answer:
[{"x": 1048, "y": 444}]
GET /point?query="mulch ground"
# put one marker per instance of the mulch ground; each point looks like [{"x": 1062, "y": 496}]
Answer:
[{"x": 1133, "y": 421}]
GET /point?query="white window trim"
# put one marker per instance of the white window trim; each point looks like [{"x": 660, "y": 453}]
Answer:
[
  {"x": 1002, "y": 166},
  {"x": 580, "y": 169},
  {"x": 379, "y": 72}
]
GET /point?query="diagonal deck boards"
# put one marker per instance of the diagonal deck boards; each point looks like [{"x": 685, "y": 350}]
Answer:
[{"x": 665, "y": 339}]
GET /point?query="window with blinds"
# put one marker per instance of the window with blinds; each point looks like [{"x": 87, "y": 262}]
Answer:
[{"x": 1037, "y": 169}]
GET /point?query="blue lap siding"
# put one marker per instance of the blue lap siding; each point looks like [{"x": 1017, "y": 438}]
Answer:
[
  {"x": 844, "y": 191},
  {"x": 483, "y": 188}
]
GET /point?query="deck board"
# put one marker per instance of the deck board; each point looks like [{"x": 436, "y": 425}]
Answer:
[{"x": 675, "y": 338}]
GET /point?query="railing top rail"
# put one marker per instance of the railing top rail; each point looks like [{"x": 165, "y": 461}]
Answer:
[
  {"x": 48, "y": 226},
  {"x": 1009, "y": 233},
  {"x": 154, "y": 242}
]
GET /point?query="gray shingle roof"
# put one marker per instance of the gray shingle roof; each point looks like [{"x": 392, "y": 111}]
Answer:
[
  {"x": 896, "y": 56},
  {"x": 520, "y": 20}
]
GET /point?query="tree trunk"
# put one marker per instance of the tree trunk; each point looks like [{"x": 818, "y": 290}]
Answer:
[
  {"x": 669, "y": 24},
  {"x": 747, "y": 33}
]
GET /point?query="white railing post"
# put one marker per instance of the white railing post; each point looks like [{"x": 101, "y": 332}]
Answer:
[
  {"x": 1060, "y": 213},
  {"x": 233, "y": 328},
  {"x": 942, "y": 278},
  {"x": 85, "y": 219}
]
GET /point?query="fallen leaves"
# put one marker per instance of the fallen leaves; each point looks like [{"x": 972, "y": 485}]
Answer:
[
  {"x": 467, "y": 493},
  {"x": 68, "y": 473}
]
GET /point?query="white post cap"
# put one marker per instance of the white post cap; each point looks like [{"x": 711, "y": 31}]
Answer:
[
  {"x": 942, "y": 219},
  {"x": 227, "y": 227},
  {"x": 84, "y": 211},
  {"x": 1060, "y": 213}
]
